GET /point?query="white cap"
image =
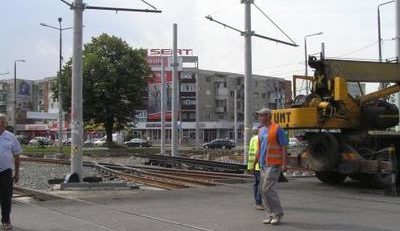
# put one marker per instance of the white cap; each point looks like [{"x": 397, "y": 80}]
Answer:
[{"x": 264, "y": 111}]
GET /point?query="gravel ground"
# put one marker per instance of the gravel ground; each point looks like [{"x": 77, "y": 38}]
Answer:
[
  {"x": 117, "y": 160},
  {"x": 36, "y": 175}
]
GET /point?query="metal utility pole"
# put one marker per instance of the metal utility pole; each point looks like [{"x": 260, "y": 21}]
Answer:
[
  {"x": 76, "y": 102},
  {"x": 197, "y": 106},
  {"x": 235, "y": 101},
  {"x": 379, "y": 29},
  {"x": 306, "y": 55},
  {"x": 15, "y": 95},
  {"x": 248, "y": 33},
  {"x": 60, "y": 109},
  {"x": 247, "y": 76},
  {"x": 162, "y": 108},
  {"x": 175, "y": 90},
  {"x": 397, "y": 38}
]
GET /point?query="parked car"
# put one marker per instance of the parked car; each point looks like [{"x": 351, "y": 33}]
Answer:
[
  {"x": 100, "y": 142},
  {"x": 220, "y": 143},
  {"x": 137, "y": 142},
  {"x": 89, "y": 143},
  {"x": 297, "y": 143},
  {"x": 22, "y": 139},
  {"x": 40, "y": 140},
  {"x": 293, "y": 142},
  {"x": 67, "y": 141}
]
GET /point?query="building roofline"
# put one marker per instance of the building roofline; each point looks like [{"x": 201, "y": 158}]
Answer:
[{"x": 229, "y": 74}]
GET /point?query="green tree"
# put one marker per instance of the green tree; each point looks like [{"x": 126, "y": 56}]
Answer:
[{"x": 114, "y": 82}]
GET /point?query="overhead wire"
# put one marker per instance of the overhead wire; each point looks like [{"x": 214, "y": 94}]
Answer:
[
  {"x": 279, "y": 65},
  {"x": 358, "y": 50},
  {"x": 148, "y": 4},
  {"x": 229, "y": 5},
  {"x": 290, "y": 71},
  {"x": 273, "y": 22}
]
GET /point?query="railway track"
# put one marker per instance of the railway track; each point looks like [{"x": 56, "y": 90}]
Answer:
[
  {"x": 192, "y": 163},
  {"x": 159, "y": 177}
]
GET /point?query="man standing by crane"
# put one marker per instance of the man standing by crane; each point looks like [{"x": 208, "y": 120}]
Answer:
[
  {"x": 272, "y": 157},
  {"x": 9, "y": 150}
]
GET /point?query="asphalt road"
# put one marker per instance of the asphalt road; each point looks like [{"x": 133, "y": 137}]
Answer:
[{"x": 308, "y": 205}]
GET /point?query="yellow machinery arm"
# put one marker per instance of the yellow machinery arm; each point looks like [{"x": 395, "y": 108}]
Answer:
[
  {"x": 379, "y": 94},
  {"x": 330, "y": 106}
]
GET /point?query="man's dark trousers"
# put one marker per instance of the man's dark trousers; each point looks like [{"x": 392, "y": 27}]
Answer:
[
  {"x": 256, "y": 188},
  {"x": 6, "y": 186}
]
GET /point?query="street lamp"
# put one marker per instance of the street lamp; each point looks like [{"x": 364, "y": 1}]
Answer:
[
  {"x": 15, "y": 95},
  {"x": 306, "y": 55},
  {"x": 379, "y": 29},
  {"x": 60, "y": 110}
]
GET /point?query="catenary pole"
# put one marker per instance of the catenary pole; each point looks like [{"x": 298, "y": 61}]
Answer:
[
  {"x": 162, "y": 108},
  {"x": 247, "y": 76},
  {"x": 197, "y": 106},
  {"x": 235, "y": 101},
  {"x": 175, "y": 90},
  {"x": 397, "y": 38},
  {"x": 76, "y": 101},
  {"x": 60, "y": 109}
]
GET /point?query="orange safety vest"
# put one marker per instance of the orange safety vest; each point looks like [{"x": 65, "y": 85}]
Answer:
[{"x": 274, "y": 155}]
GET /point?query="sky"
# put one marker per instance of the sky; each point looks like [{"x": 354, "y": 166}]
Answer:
[{"x": 349, "y": 31}]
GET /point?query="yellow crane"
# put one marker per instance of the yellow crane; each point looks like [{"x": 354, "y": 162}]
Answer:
[{"x": 346, "y": 135}]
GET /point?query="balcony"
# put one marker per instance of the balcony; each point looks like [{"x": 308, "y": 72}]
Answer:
[
  {"x": 220, "y": 109},
  {"x": 221, "y": 93}
]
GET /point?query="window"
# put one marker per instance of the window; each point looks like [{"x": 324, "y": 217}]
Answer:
[
  {"x": 189, "y": 102},
  {"x": 188, "y": 87},
  {"x": 208, "y": 79},
  {"x": 232, "y": 93},
  {"x": 220, "y": 103},
  {"x": 263, "y": 95},
  {"x": 256, "y": 95},
  {"x": 221, "y": 116},
  {"x": 208, "y": 116}
]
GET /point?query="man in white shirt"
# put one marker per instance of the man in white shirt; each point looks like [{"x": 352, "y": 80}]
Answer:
[{"x": 9, "y": 151}]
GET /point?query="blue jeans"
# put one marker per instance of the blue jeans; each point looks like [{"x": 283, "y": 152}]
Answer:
[{"x": 256, "y": 188}]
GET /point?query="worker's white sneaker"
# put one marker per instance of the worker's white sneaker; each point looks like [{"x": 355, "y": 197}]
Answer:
[
  {"x": 267, "y": 221},
  {"x": 260, "y": 207},
  {"x": 7, "y": 226},
  {"x": 276, "y": 220}
]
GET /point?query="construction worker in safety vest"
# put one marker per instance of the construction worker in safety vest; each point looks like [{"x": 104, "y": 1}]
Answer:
[
  {"x": 254, "y": 168},
  {"x": 272, "y": 158}
]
